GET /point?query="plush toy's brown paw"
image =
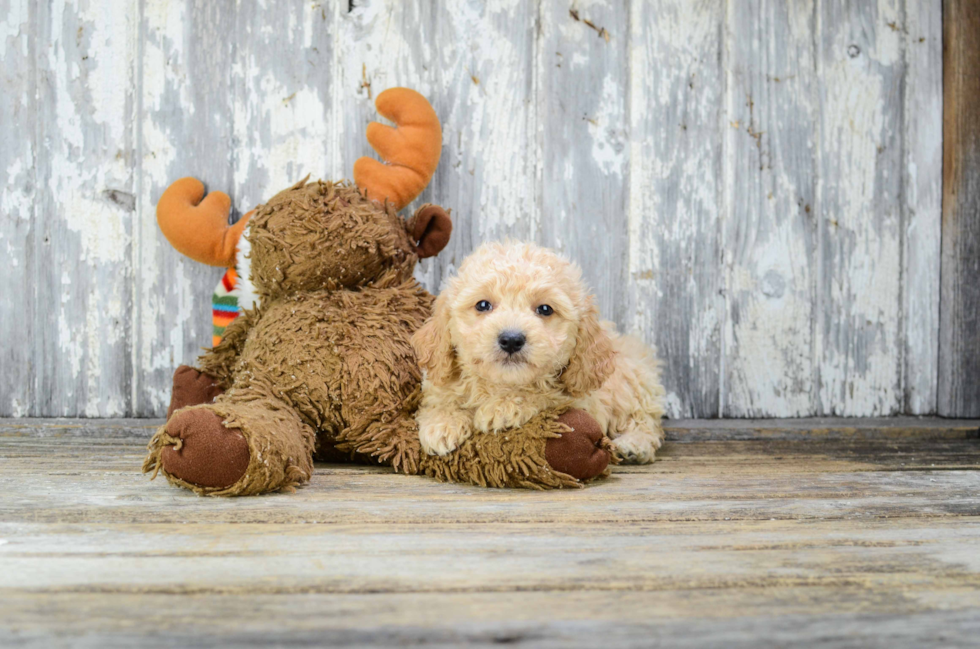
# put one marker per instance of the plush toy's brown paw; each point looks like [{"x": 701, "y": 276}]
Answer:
[
  {"x": 192, "y": 388},
  {"x": 207, "y": 454},
  {"x": 581, "y": 452}
]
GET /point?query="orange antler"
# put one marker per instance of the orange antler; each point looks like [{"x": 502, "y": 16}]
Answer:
[
  {"x": 411, "y": 149},
  {"x": 199, "y": 229}
]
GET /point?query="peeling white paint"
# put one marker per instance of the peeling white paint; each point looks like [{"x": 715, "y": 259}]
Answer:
[
  {"x": 858, "y": 345},
  {"x": 923, "y": 113},
  {"x": 673, "y": 403},
  {"x": 158, "y": 156},
  {"x": 491, "y": 118},
  {"x": 14, "y": 27},
  {"x": 18, "y": 197},
  {"x": 16, "y": 193},
  {"x": 84, "y": 160},
  {"x": 889, "y": 26},
  {"x": 675, "y": 195},
  {"x": 768, "y": 349},
  {"x": 169, "y": 306},
  {"x": 299, "y": 92},
  {"x": 72, "y": 351},
  {"x": 609, "y": 138},
  {"x": 290, "y": 142},
  {"x": 18, "y": 408}
]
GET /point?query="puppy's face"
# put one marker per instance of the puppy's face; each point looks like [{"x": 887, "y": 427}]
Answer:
[{"x": 514, "y": 315}]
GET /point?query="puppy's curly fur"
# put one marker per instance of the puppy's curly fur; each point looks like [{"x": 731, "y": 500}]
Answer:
[{"x": 567, "y": 357}]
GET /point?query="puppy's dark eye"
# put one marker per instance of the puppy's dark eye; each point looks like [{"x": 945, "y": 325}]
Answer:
[
  {"x": 483, "y": 305},
  {"x": 545, "y": 310}
]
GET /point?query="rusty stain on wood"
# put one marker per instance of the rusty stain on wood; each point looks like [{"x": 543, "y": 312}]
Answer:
[{"x": 601, "y": 31}]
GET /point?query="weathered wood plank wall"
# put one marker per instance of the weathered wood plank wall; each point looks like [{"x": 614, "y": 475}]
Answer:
[{"x": 754, "y": 186}]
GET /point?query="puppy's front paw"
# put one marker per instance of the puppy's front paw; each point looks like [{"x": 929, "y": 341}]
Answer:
[
  {"x": 441, "y": 437},
  {"x": 636, "y": 447}
]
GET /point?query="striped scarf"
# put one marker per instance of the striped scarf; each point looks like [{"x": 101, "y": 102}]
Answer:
[
  {"x": 224, "y": 305},
  {"x": 234, "y": 292}
]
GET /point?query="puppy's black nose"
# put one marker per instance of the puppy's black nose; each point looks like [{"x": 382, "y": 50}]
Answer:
[{"x": 511, "y": 341}]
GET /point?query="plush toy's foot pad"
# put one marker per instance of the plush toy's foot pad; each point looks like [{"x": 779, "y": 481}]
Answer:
[
  {"x": 207, "y": 454},
  {"x": 581, "y": 452},
  {"x": 192, "y": 388}
]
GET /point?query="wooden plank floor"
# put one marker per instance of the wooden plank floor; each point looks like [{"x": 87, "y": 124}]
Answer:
[{"x": 831, "y": 533}]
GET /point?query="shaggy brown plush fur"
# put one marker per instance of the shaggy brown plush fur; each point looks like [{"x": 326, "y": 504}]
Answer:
[
  {"x": 525, "y": 457},
  {"x": 325, "y": 363}
]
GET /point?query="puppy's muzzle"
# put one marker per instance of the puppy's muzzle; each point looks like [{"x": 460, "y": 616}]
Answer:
[{"x": 511, "y": 341}]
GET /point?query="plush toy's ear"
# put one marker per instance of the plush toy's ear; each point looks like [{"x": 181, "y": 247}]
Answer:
[
  {"x": 592, "y": 359},
  {"x": 433, "y": 345},
  {"x": 199, "y": 228},
  {"x": 430, "y": 228}
]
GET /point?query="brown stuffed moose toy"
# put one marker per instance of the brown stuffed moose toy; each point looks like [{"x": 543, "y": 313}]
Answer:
[{"x": 321, "y": 366}]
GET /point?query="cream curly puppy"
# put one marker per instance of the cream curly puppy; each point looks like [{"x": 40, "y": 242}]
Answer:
[{"x": 517, "y": 332}]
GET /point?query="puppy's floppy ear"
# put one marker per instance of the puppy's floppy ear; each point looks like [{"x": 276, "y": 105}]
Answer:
[
  {"x": 433, "y": 345},
  {"x": 591, "y": 362}
]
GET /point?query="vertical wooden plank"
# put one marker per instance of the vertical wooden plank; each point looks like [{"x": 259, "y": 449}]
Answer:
[
  {"x": 18, "y": 109},
  {"x": 185, "y": 129},
  {"x": 484, "y": 95},
  {"x": 383, "y": 44},
  {"x": 676, "y": 198},
  {"x": 285, "y": 87},
  {"x": 922, "y": 203},
  {"x": 85, "y": 204},
  {"x": 959, "y": 342},
  {"x": 584, "y": 94},
  {"x": 859, "y": 337},
  {"x": 770, "y": 237}
]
